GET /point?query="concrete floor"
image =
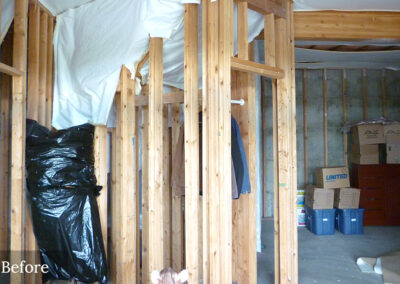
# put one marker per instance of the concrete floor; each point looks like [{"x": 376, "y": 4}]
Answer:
[{"x": 330, "y": 259}]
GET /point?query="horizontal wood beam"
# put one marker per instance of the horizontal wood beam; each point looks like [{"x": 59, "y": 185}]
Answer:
[
  {"x": 256, "y": 68},
  {"x": 9, "y": 70},
  {"x": 168, "y": 98},
  {"x": 264, "y": 7},
  {"x": 341, "y": 25}
]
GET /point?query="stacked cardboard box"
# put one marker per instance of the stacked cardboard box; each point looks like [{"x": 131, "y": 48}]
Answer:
[
  {"x": 332, "y": 189},
  {"x": 366, "y": 139},
  {"x": 392, "y": 140}
]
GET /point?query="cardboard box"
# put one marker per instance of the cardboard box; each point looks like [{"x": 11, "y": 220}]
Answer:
[
  {"x": 319, "y": 198},
  {"x": 347, "y": 198},
  {"x": 392, "y": 133},
  {"x": 366, "y": 134},
  {"x": 332, "y": 177},
  {"x": 364, "y": 154},
  {"x": 392, "y": 153}
]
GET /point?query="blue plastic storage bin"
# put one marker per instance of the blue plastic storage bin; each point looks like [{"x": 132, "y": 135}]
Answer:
[
  {"x": 350, "y": 221},
  {"x": 321, "y": 221}
]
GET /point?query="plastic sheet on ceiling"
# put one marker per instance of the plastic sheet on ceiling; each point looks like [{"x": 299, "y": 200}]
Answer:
[{"x": 90, "y": 48}]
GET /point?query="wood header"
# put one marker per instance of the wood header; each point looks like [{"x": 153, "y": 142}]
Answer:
[{"x": 340, "y": 25}]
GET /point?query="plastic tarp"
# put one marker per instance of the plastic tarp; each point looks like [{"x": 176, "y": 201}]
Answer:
[
  {"x": 92, "y": 42},
  {"x": 91, "y": 47},
  {"x": 7, "y": 16}
]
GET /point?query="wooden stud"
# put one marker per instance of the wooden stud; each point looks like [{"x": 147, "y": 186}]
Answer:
[
  {"x": 33, "y": 112},
  {"x": 33, "y": 62},
  {"x": 345, "y": 141},
  {"x": 145, "y": 196},
  {"x": 155, "y": 165},
  {"x": 18, "y": 115},
  {"x": 126, "y": 182},
  {"x": 5, "y": 106},
  {"x": 264, "y": 120},
  {"x": 286, "y": 152},
  {"x": 365, "y": 98},
  {"x": 293, "y": 148},
  {"x": 100, "y": 166},
  {"x": 43, "y": 68},
  {"x": 204, "y": 157},
  {"x": 113, "y": 195},
  {"x": 269, "y": 54},
  {"x": 383, "y": 88},
  {"x": 325, "y": 118},
  {"x": 167, "y": 189},
  {"x": 355, "y": 25},
  {"x": 49, "y": 79},
  {"x": 177, "y": 213},
  {"x": 216, "y": 127},
  {"x": 138, "y": 121},
  {"x": 244, "y": 209},
  {"x": 191, "y": 114},
  {"x": 305, "y": 127}
]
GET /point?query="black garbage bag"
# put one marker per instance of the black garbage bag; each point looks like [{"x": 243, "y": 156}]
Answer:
[{"x": 61, "y": 189}]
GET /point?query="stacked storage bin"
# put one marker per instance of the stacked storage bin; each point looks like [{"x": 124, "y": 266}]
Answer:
[
  {"x": 320, "y": 215},
  {"x": 349, "y": 218}
]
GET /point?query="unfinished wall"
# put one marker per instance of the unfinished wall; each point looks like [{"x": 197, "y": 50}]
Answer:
[{"x": 369, "y": 97}]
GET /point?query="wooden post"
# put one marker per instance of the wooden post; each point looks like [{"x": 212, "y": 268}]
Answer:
[
  {"x": 43, "y": 67},
  {"x": 191, "y": 114},
  {"x": 345, "y": 142},
  {"x": 177, "y": 213},
  {"x": 155, "y": 159},
  {"x": 365, "y": 97},
  {"x": 286, "y": 151},
  {"x": 305, "y": 128},
  {"x": 18, "y": 114},
  {"x": 325, "y": 119},
  {"x": 126, "y": 182},
  {"x": 216, "y": 131},
  {"x": 100, "y": 167},
  {"x": 49, "y": 79},
  {"x": 5, "y": 105},
  {"x": 244, "y": 209},
  {"x": 383, "y": 88}
]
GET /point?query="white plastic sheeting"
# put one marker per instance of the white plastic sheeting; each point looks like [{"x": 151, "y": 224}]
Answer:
[
  {"x": 7, "y": 15},
  {"x": 346, "y": 5},
  {"x": 174, "y": 50},
  {"x": 317, "y": 59},
  {"x": 91, "y": 46},
  {"x": 92, "y": 42},
  {"x": 58, "y": 6}
]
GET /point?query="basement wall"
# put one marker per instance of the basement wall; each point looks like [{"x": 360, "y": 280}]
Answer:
[{"x": 379, "y": 83}]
